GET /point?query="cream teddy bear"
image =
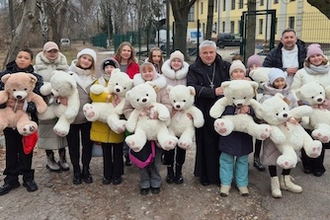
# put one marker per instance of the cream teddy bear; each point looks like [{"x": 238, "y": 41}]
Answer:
[
  {"x": 314, "y": 95},
  {"x": 238, "y": 93},
  {"x": 19, "y": 88},
  {"x": 109, "y": 112},
  {"x": 62, "y": 86},
  {"x": 286, "y": 133},
  {"x": 142, "y": 123},
  {"x": 185, "y": 116}
]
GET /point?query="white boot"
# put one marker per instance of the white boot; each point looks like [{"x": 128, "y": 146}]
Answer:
[
  {"x": 51, "y": 163},
  {"x": 224, "y": 190},
  {"x": 243, "y": 191},
  {"x": 275, "y": 187},
  {"x": 287, "y": 184}
]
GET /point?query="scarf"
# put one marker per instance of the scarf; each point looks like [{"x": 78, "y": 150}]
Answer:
[{"x": 315, "y": 70}]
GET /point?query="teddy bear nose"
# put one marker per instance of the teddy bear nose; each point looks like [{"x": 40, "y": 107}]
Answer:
[
  {"x": 239, "y": 105},
  {"x": 19, "y": 97},
  {"x": 144, "y": 100},
  {"x": 285, "y": 115},
  {"x": 319, "y": 99},
  {"x": 177, "y": 106},
  {"x": 117, "y": 90}
]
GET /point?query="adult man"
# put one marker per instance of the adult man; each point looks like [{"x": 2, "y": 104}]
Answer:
[
  {"x": 206, "y": 76},
  {"x": 289, "y": 55}
]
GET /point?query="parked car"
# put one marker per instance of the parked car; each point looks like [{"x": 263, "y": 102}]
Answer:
[{"x": 228, "y": 39}]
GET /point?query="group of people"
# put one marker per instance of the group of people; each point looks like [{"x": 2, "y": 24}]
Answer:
[{"x": 218, "y": 160}]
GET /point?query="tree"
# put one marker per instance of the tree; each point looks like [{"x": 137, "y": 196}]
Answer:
[
  {"x": 209, "y": 23},
  {"x": 25, "y": 28},
  {"x": 251, "y": 29},
  {"x": 180, "y": 9},
  {"x": 322, "y": 5}
]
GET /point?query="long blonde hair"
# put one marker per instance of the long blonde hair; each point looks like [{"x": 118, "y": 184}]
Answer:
[
  {"x": 91, "y": 68},
  {"x": 119, "y": 50}
]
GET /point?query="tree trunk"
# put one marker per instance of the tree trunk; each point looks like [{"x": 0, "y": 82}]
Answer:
[
  {"x": 209, "y": 23},
  {"x": 43, "y": 21},
  {"x": 251, "y": 30},
  {"x": 22, "y": 31},
  {"x": 322, "y": 5}
]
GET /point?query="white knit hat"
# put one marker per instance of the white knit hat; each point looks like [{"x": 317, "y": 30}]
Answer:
[
  {"x": 275, "y": 73},
  {"x": 177, "y": 54},
  {"x": 236, "y": 64},
  {"x": 87, "y": 51}
]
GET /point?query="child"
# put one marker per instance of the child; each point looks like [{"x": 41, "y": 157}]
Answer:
[
  {"x": 150, "y": 176},
  {"x": 175, "y": 71},
  {"x": 156, "y": 58},
  {"x": 277, "y": 84},
  {"x": 236, "y": 147},
  {"x": 46, "y": 61},
  {"x": 112, "y": 143},
  {"x": 83, "y": 71},
  {"x": 253, "y": 63},
  {"x": 17, "y": 162}
]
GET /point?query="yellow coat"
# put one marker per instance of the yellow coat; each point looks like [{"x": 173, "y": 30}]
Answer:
[{"x": 101, "y": 132}]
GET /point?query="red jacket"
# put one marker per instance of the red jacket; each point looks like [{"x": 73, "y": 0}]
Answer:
[{"x": 132, "y": 68}]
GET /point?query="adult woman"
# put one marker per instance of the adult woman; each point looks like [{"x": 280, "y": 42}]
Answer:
[{"x": 316, "y": 69}]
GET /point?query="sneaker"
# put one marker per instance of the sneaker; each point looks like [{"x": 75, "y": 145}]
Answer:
[
  {"x": 116, "y": 180},
  {"x": 144, "y": 191},
  {"x": 155, "y": 190},
  {"x": 30, "y": 186}
]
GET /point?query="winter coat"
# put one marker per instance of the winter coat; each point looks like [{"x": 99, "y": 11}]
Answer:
[
  {"x": 85, "y": 80},
  {"x": 236, "y": 143},
  {"x": 207, "y": 139},
  {"x": 173, "y": 77},
  {"x": 48, "y": 140},
  {"x": 274, "y": 57},
  {"x": 101, "y": 132},
  {"x": 132, "y": 68}
]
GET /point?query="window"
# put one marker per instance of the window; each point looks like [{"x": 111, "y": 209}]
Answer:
[
  {"x": 215, "y": 26},
  {"x": 232, "y": 27},
  {"x": 262, "y": 2},
  {"x": 224, "y": 5},
  {"x": 275, "y": 1},
  {"x": 201, "y": 8},
  {"x": 240, "y": 3},
  {"x": 261, "y": 24},
  {"x": 223, "y": 26},
  {"x": 291, "y": 22},
  {"x": 233, "y": 4},
  {"x": 191, "y": 15}
]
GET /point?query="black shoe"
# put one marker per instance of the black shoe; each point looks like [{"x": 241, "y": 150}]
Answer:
[
  {"x": 170, "y": 175},
  {"x": 77, "y": 179},
  {"x": 144, "y": 191},
  {"x": 5, "y": 188},
  {"x": 257, "y": 164},
  {"x": 106, "y": 181},
  {"x": 116, "y": 180},
  {"x": 30, "y": 186},
  {"x": 86, "y": 176},
  {"x": 307, "y": 171},
  {"x": 128, "y": 162},
  {"x": 318, "y": 173},
  {"x": 155, "y": 190},
  {"x": 179, "y": 179},
  {"x": 204, "y": 181}
]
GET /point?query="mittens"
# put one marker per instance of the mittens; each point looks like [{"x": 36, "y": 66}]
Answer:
[{"x": 29, "y": 142}]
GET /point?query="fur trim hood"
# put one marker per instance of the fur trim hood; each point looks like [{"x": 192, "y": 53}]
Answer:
[
  {"x": 160, "y": 80},
  {"x": 172, "y": 74}
]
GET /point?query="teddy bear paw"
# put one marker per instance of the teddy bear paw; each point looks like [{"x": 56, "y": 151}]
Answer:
[
  {"x": 185, "y": 144},
  {"x": 90, "y": 112},
  {"x": 321, "y": 137},
  {"x": 169, "y": 144},
  {"x": 264, "y": 132},
  {"x": 119, "y": 128},
  {"x": 133, "y": 145},
  {"x": 221, "y": 127},
  {"x": 285, "y": 162},
  {"x": 315, "y": 150},
  {"x": 28, "y": 129},
  {"x": 60, "y": 133}
]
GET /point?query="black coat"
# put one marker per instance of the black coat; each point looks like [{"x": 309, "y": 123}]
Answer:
[{"x": 207, "y": 139}]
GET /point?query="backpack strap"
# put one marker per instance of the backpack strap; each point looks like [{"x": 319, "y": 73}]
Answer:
[{"x": 153, "y": 149}]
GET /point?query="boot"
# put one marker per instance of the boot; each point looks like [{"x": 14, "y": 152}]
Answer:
[
  {"x": 76, "y": 175},
  {"x": 62, "y": 160},
  {"x": 170, "y": 174},
  {"x": 51, "y": 163},
  {"x": 86, "y": 176},
  {"x": 275, "y": 187},
  {"x": 257, "y": 164},
  {"x": 224, "y": 190},
  {"x": 128, "y": 161},
  {"x": 287, "y": 184},
  {"x": 178, "y": 174},
  {"x": 243, "y": 191}
]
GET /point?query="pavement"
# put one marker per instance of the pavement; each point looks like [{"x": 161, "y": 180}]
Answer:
[{"x": 58, "y": 198}]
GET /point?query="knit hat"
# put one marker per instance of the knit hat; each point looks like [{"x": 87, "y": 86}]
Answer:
[
  {"x": 314, "y": 49},
  {"x": 275, "y": 73},
  {"x": 236, "y": 64},
  {"x": 111, "y": 62},
  {"x": 177, "y": 54},
  {"x": 87, "y": 51},
  {"x": 254, "y": 59},
  {"x": 50, "y": 45}
]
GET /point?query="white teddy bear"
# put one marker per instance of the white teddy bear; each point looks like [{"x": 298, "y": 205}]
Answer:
[
  {"x": 260, "y": 75},
  {"x": 141, "y": 121},
  {"x": 238, "y": 93},
  {"x": 314, "y": 95},
  {"x": 62, "y": 86},
  {"x": 286, "y": 133},
  {"x": 185, "y": 116},
  {"x": 109, "y": 112}
]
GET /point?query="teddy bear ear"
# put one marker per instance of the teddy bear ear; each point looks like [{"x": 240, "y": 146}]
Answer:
[
  {"x": 255, "y": 85},
  {"x": 192, "y": 90},
  {"x": 169, "y": 88},
  {"x": 4, "y": 78},
  {"x": 127, "y": 94},
  {"x": 225, "y": 84}
]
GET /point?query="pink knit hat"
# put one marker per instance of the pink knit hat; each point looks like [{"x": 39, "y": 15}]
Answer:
[
  {"x": 314, "y": 49},
  {"x": 254, "y": 59}
]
